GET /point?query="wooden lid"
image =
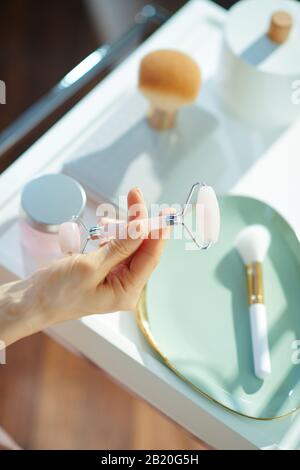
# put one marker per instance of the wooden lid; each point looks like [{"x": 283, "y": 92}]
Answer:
[
  {"x": 251, "y": 39},
  {"x": 280, "y": 27}
]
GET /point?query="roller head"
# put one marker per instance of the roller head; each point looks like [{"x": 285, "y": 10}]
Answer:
[
  {"x": 253, "y": 243},
  {"x": 69, "y": 238},
  {"x": 208, "y": 215}
]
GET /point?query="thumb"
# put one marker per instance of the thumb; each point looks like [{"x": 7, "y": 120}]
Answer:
[{"x": 129, "y": 239}]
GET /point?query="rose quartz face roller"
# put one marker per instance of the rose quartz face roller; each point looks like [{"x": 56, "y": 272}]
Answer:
[{"x": 207, "y": 215}]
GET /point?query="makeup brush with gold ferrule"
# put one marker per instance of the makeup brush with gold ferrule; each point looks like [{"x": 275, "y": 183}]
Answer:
[{"x": 252, "y": 244}]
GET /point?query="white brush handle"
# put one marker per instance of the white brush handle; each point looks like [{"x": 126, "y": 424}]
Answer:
[{"x": 260, "y": 343}]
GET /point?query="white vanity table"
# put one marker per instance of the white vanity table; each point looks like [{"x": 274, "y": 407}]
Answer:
[{"x": 113, "y": 342}]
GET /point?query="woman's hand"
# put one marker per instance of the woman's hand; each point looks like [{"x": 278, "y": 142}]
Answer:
[{"x": 109, "y": 279}]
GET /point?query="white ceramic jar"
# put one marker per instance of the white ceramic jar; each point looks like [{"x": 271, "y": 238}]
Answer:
[{"x": 257, "y": 76}]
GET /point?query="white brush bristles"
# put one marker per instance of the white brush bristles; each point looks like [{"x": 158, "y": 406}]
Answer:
[{"x": 253, "y": 243}]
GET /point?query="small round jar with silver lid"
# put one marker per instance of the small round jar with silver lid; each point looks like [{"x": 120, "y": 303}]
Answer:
[{"x": 46, "y": 202}]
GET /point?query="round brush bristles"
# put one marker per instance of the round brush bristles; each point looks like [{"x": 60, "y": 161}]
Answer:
[{"x": 253, "y": 243}]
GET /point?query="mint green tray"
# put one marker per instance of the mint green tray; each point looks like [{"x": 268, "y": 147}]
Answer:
[{"x": 194, "y": 313}]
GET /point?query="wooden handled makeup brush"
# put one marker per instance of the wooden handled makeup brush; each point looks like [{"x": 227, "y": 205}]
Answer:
[
  {"x": 169, "y": 79},
  {"x": 252, "y": 244}
]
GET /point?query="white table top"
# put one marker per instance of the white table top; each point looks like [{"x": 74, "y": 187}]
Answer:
[{"x": 113, "y": 341}]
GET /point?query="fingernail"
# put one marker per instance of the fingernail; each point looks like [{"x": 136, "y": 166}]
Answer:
[{"x": 139, "y": 191}]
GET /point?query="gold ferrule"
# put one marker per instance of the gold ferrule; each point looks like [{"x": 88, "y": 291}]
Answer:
[{"x": 255, "y": 283}]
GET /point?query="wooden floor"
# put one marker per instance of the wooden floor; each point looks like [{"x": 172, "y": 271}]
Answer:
[
  {"x": 50, "y": 398},
  {"x": 53, "y": 399}
]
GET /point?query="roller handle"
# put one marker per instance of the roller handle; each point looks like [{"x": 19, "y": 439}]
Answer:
[
  {"x": 260, "y": 343},
  {"x": 112, "y": 228},
  {"x": 70, "y": 237}
]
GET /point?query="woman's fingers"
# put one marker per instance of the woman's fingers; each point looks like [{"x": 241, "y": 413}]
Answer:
[
  {"x": 148, "y": 255},
  {"x": 130, "y": 236},
  {"x": 134, "y": 246},
  {"x": 136, "y": 205},
  {"x": 106, "y": 223}
]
